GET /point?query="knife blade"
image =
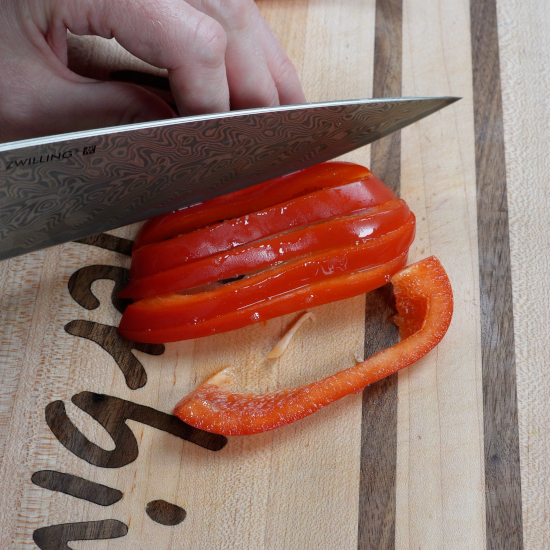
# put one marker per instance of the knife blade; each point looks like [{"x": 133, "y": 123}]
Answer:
[{"x": 67, "y": 187}]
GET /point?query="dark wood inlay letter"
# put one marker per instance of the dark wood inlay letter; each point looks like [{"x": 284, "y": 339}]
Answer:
[
  {"x": 118, "y": 348},
  {"x": 76, "y": 487},
  {"x": 81, "y": 281},
  {"x": 165, "y": 513},
  {"x": 112, "y": 413},
  {"x": 56, "y": 537},
  {"x": 500, "y": 414}
]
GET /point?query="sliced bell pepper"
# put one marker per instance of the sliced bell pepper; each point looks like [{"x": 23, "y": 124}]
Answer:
[
  {"x": 300, "y": 212},
  {"x": 251, "y": 199},
  {"x": 175, "y": 316},
  {"x": 355, "y": 228},
  {"x": 424, "y": 303},
  {"x": 338, "y": 237},
  {"x": 317, "y": 294}
]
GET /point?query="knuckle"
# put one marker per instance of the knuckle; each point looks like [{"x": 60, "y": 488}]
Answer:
[
  {"x": 284, "y": 70},
  {"x": 262, "y": 94},
  {"x": 274, "y": 98},
  {"x": 211, "y": 42},
  {"x": 236, "y": 13}
]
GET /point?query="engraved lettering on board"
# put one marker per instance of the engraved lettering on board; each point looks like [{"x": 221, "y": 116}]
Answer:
[{"x": 112, "y": 413}]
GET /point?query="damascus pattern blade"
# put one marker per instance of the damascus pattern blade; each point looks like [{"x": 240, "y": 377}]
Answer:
[{"x": 57, "y": 189}]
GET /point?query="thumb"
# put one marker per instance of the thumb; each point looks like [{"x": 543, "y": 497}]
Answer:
[{"x": 68, "y": 106}]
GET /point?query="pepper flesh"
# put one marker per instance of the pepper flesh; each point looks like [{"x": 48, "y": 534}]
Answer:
[
  {"x": 361, "y": 227},
  {"x": 229, "y": 275},
  {"x": 300, "y": 212},
  {"x": 152, "y": 316},
  {"x": 251, "y": 199},
  {"x": 162, "y": 322},
  {"x": 424, "y": 302}
]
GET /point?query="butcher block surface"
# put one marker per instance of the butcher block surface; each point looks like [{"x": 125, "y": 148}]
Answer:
[{"x": 451, "y": 453}]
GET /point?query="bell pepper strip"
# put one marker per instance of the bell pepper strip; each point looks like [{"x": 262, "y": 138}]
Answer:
[
  {"x": 251, "y": 199},
  {"x": 154, "y": 315},
  {"x": 300, "y": 212},
  {"x": 424, "y": 302},
  {"x": 346, "y": 230},
  {"x": 159, "y": 319}
]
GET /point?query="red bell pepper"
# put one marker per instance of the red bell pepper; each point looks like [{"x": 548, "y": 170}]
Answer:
[
  {"x": 323, "y": 292},
  {"x": 424, "y": 303},
  {"x": 251, "y": 199},
  {"x": 317, "y": 279},
  {"x": 300, "y": 212},
  {"x": 323, "y": 245},
  {"x": 355, "y": 228}
]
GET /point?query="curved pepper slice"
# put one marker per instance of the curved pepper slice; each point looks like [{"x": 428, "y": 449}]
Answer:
[
  {"x": 345, "y": 230},
  {"x": 251, "y": 199},
  {"x": 302, "y": 211},
  {"x": 424, "y": 303}
]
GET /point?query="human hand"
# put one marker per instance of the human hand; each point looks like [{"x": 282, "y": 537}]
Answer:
[{"x": 220, "y": 54}]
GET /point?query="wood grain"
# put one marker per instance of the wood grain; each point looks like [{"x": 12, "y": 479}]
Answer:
[
  {"x": 502, "y": 463},
  {"x": 525, "y": 76},
  {"x": 379, "y": 431},
  {"x": 440, "y": 484},
  {"x": 377, "y": 488},
  {"x": 336, "y": 61},
  {"x": 388, "y": 44}
]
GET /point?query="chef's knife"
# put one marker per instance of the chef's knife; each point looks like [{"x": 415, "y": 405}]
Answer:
[{"x": 70, "y": 186}]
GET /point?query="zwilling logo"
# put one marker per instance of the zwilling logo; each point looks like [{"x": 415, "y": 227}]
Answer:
[{"x": 42, "y": 159}]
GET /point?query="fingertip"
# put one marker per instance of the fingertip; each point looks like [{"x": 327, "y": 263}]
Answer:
[
  {"x": 283, "y": 71},
  {"x": 288, "y": 84},
  {"x": 204, "y": 94},
  {"x": 132, "y": 104}
]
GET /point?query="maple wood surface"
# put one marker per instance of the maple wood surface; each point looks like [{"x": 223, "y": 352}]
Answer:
[{"x": 450, "y": 454}]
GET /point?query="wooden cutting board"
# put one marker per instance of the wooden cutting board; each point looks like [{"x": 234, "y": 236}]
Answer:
[{"x": 452, "y": 453}]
